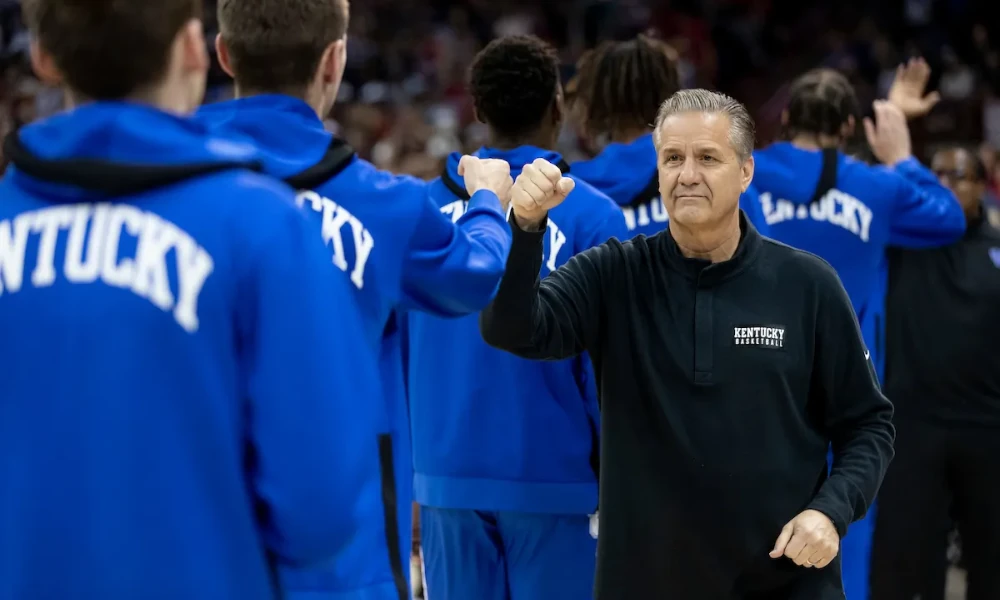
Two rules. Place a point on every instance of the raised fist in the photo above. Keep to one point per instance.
(538, 189)
(490, 174)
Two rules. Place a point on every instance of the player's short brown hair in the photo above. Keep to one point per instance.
(276, 45)
(109, 49)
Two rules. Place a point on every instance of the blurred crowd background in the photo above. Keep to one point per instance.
(404, 105)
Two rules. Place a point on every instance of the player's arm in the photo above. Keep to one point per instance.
(925, 213)
(453, 269)
(857, 415)
(312, 386)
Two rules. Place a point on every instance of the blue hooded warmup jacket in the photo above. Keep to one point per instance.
(492, 431)
(184, 405)
(401, 254)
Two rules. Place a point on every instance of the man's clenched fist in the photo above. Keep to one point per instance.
(810, 540)
(538, 189)
(486, 174)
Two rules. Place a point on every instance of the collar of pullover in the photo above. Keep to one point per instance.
(706, 273)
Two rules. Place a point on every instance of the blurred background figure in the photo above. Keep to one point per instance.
(943, 373)
(817, 198)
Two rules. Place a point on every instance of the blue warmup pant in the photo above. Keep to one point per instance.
(856, 552)
(506, 556)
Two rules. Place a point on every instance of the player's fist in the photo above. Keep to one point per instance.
(538, 189)
(809, 540)
(490, 174)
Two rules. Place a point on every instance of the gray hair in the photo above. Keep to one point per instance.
(741, 126)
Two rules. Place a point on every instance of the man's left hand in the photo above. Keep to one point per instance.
(810, 540)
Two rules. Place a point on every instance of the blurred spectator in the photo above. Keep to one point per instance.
(943, 323)
(407, 60)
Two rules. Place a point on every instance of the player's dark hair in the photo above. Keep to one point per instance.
(109, 49)
(620, 85)
(277, 45)
(820, 103)
(513, 83)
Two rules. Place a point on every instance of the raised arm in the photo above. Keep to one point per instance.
(925, 213)
(857, 416)
(552, 319)
(453, 269)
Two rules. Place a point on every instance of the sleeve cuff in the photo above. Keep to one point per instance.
(486, 199)
(521, 233)
(909, 165)
(839, 520)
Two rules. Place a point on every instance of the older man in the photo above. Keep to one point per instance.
(727, 363)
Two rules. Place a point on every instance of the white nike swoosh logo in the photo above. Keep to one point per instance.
(867, 354)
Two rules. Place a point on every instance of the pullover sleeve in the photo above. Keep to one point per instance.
(858, 417)
(551, 319)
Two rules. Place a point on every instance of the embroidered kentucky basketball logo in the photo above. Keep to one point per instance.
(767, 337)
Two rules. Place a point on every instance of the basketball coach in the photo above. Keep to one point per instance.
(727, 363)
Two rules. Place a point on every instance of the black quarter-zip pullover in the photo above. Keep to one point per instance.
(721, 385)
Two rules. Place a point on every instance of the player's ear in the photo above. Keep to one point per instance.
(333, 62)
(44, 65)
(189, 54)
(193, 53)
(222, 51)
(784, 117)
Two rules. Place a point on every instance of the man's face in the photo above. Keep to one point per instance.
(956, 169)
(701, 177)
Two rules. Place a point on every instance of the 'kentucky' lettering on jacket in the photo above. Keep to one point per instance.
(835, 207)
(557, 239)
(335, 217)
(643, 214)
(146, 274)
